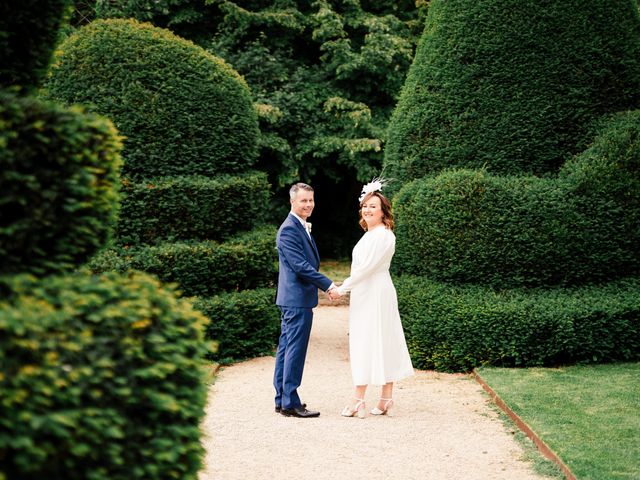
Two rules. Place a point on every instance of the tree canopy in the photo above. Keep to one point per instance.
(325, 76)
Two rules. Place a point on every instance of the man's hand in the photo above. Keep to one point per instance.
(333, 293)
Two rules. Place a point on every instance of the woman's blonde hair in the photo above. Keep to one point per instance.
(385, 204)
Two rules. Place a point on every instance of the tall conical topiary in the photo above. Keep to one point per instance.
(511, 85)
(499, 192)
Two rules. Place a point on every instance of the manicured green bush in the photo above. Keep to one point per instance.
(102, 378)
(604, 197)
(204, 268)
(458, 328)
(243, 324)
(467, 226)
(583, 227)
(58, 178)
(182, 110)
(191, 207)
(28, 34)
(512, 85)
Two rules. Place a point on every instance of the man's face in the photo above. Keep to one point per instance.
(302, 204)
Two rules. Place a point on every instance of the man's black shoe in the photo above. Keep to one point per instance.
(278, 408)
(301, 412)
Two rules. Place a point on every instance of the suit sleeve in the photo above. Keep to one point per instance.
(377, 251)
(292, 252)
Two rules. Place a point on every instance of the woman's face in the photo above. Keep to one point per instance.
(372, 212)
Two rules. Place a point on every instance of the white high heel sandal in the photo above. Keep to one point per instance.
(357, 411)
(387, 410)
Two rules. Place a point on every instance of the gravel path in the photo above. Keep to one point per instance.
(444, 428)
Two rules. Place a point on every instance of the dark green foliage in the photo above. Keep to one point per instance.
(604, 200)
(182, 110)
(28, 34)
(327, 74)
(583, 227)
(458, 328)
(202, 267)
(512, 85)
(178, 208)
(190, 19)
(243, 324)
(58, 177)
(101, 378)
(325, 77)
(469, 227)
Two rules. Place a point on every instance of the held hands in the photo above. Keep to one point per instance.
(333, 293)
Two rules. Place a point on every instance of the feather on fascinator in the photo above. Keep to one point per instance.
(375, 185)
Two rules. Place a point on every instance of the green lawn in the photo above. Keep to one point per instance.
(336, 270)
(588, 415)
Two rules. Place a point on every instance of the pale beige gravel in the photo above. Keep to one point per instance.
(444, 428)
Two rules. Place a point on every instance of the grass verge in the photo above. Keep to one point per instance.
(336, 270)
(588, 415)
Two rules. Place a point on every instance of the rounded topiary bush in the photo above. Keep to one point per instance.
(28, 33)
(453, 328)
(512, 85)
(468, 226)
(188, 207)
(58, 179)
(603, 194)
(102, 378)
(183, 111)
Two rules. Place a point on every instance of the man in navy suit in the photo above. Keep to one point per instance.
(298, 283)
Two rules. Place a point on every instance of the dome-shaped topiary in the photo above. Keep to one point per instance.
(512, 85)
(182, 110)
(102, 378)
(58, 184)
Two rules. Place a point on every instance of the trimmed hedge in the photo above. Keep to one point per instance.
(102, 378)
(28, 34)
(512, 85)
(458, 328)
(202, 268)
(182, 110)
(469, 227)
(583, 227)
(58, 178)
(243, 324)
(179, 208)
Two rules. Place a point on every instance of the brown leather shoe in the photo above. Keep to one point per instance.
(300, 412)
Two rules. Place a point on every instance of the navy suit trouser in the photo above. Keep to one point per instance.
(291, 354)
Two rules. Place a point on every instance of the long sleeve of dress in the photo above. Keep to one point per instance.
(375, 256)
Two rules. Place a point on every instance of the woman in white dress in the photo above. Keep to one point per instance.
(377, 347)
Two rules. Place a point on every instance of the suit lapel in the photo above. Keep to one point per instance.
(315, 249)
(308, 237)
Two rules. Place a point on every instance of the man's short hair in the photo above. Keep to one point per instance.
(293, 191)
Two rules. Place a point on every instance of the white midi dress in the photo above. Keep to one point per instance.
(377, 347)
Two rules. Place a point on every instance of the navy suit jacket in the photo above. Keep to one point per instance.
(298, 276)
